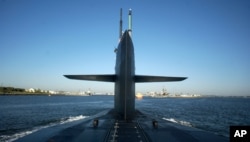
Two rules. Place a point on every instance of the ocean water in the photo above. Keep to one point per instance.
(23, 115)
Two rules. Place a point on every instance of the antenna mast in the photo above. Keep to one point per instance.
(130, 22)
(120, 30)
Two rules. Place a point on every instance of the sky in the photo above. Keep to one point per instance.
(207, 41)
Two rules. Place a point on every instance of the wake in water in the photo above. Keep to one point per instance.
(24, 115)
(13, 137)
(185, 123)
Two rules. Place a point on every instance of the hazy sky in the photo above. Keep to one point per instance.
(207, 41)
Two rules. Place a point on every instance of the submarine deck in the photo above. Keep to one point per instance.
(108, 127)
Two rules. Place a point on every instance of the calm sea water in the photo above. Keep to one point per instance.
(22, 115)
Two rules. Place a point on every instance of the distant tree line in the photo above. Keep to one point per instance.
(16, 91)
(7, 90)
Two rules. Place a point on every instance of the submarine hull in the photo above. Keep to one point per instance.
(111, 128)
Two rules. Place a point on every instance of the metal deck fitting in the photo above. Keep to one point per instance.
(123, 131)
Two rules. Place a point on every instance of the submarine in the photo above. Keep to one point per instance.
(123, 123)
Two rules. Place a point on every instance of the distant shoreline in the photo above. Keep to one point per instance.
(4, 91)
(19, 94)
(47, 94)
